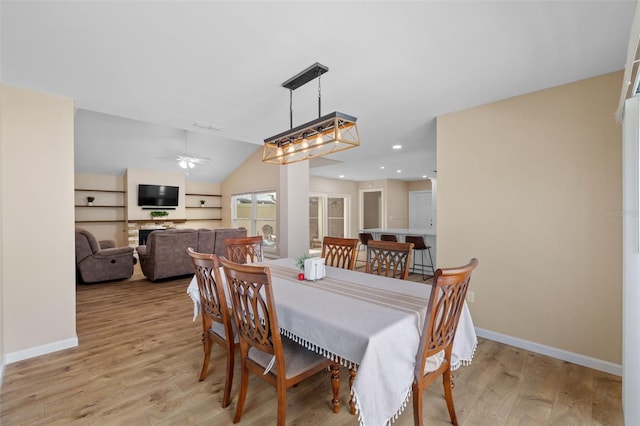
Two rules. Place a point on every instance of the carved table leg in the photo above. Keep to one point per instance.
(335, 386)
(352, 376)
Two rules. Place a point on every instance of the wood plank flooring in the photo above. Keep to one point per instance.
(140, 355)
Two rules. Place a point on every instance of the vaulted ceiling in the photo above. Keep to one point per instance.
(395, 65)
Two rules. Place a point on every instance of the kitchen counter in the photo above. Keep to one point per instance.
(428, 235)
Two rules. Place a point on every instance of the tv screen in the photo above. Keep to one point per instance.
(157, 195)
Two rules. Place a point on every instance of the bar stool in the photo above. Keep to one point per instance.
(364, 240)
(388, 237)
(418, 244)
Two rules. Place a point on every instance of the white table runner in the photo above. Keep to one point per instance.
(374, 322)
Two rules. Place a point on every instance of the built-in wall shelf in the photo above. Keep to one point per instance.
(157, 221)
(96, 206)
(99, 221)
(100, 190)
(212, 210)
(108, 205)
(200, 207)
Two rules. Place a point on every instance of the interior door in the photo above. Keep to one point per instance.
(420, 211)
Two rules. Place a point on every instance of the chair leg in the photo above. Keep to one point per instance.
(206, 342)
(352, 377)
(417, 405)
(335, 387)
(448, 395)
(244, 383)
(282, 404)
(226, 399)
(433, 267)
(361, 247)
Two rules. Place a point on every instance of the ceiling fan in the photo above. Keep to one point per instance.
(187, 161)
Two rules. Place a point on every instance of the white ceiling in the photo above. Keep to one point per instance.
(394, 65)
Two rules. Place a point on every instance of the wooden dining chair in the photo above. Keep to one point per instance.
(340, 252)
(388, 258)
(264, 352)
(433, 359)
(245, 249)
(217, 323)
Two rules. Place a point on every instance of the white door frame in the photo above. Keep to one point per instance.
(382, 208)
(631, 261)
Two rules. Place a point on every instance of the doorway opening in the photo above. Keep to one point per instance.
(372, 209)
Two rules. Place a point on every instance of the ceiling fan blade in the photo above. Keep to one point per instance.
(201, 160)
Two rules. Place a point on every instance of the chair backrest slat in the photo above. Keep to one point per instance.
(340, 252)
(245, 250)
(391, 259)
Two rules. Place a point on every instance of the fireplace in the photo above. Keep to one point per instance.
(143, 234)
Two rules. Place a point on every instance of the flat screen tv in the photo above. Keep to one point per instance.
(157, 195)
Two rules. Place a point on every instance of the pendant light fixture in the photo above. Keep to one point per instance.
(330, 133)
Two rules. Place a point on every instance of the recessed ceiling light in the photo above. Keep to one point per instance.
(208, 126)
(397, 147)
(341, 176)
(398, 171)
(381, 167)
(424, 176)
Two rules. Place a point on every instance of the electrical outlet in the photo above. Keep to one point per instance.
(471, 297)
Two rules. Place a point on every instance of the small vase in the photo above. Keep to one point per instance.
(90, 203)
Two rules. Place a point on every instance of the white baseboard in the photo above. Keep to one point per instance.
(1, 370)
(40, 350)
(585, 361)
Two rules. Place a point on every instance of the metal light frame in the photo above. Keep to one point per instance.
(325, 135)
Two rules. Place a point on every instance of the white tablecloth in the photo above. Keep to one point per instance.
(374, 322)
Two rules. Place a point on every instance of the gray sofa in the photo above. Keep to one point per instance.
(165, 254)
(98, 261)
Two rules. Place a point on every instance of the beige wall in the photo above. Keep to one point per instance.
(397, 201)
(531, 186)
(339, 187)
(37, 272)
(419, 185)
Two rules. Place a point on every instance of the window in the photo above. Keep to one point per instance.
(327, 217)
(257, 212)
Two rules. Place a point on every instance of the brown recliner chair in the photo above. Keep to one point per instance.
(165, 254)
(101, 261)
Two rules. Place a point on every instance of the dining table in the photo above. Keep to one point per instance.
(369, 322)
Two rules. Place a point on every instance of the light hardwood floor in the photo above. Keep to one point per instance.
(140, 355)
